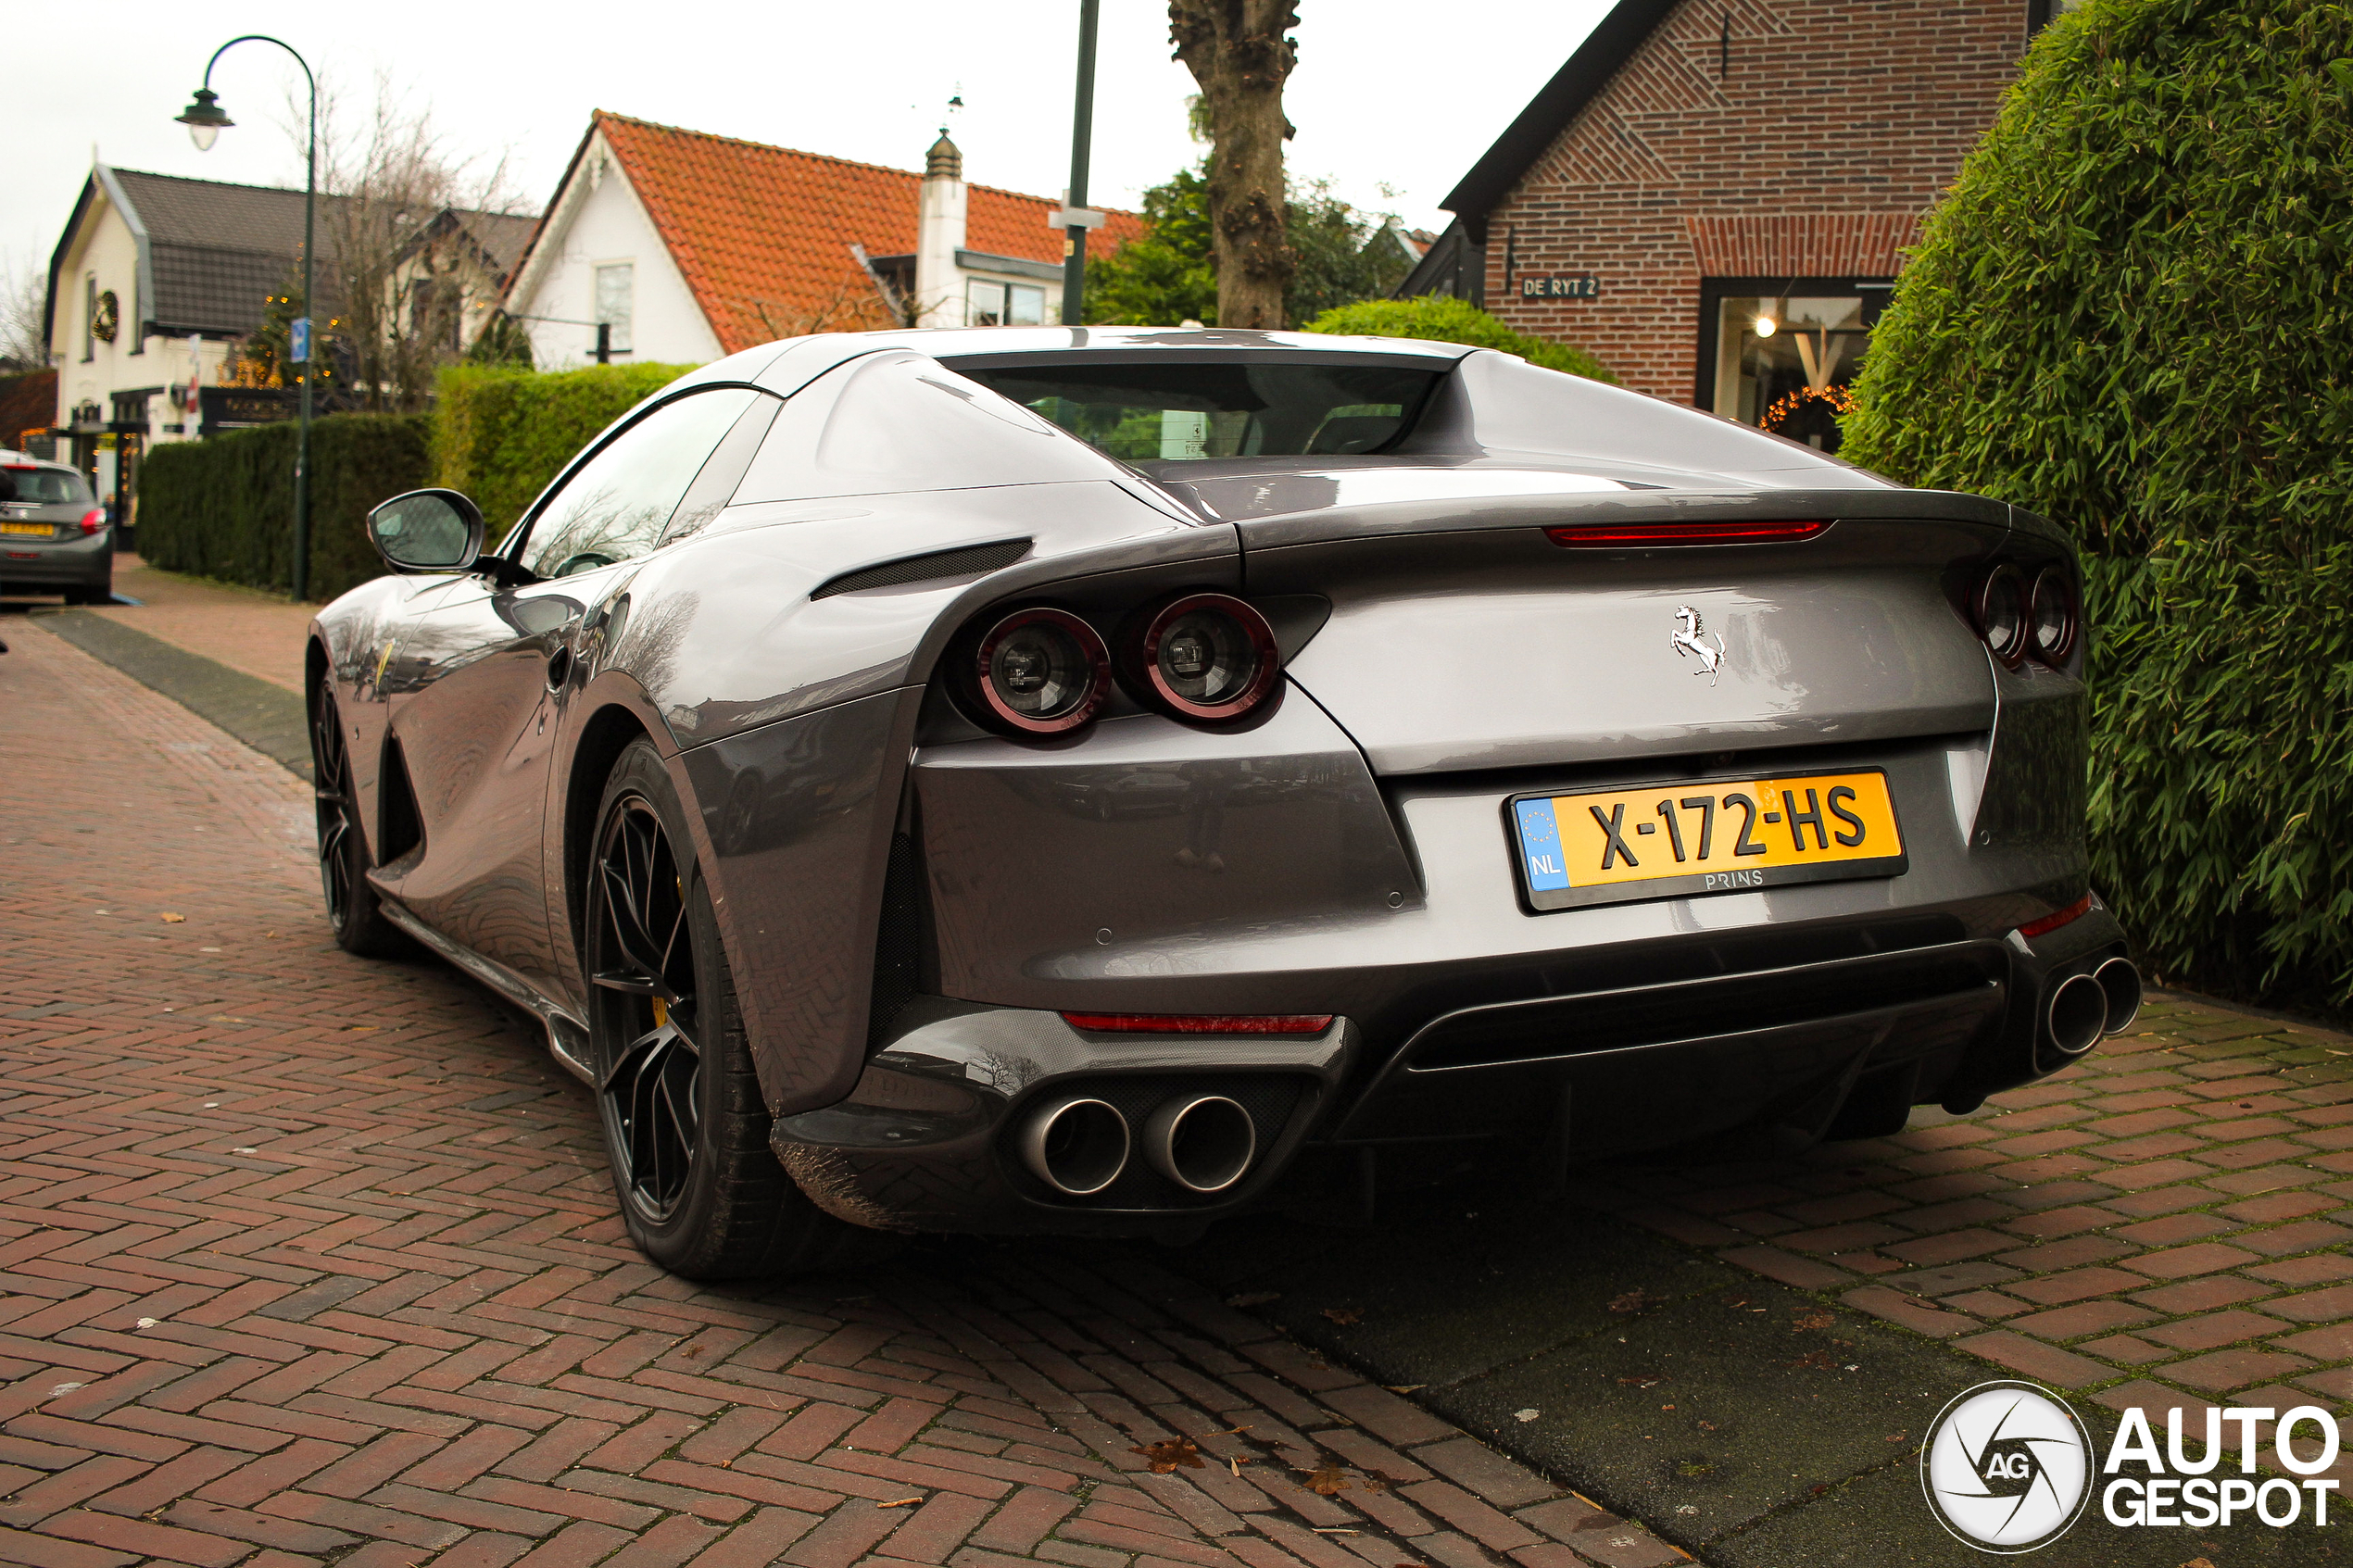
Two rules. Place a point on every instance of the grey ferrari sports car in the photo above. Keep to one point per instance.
(1097, 780)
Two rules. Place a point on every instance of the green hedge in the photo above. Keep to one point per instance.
(223, 507)
(1445, 319)
(500, 434)
(2132, 314)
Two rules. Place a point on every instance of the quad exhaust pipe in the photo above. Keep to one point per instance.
(1079, 1145)
(2085, 1007)
(1203, 1143)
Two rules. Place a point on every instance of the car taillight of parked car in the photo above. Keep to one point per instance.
(2017, 618)
(1204, 657)
(93, 520)
(1043, 672)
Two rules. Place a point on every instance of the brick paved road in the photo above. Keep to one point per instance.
(304, 1258)
(2165, 1224)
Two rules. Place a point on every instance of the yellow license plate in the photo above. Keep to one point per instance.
(43, 529)
(1712, 836)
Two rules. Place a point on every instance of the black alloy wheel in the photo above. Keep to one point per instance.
(685, 1126)
(353, 911)
(643, 952)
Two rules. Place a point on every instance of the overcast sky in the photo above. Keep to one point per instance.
(1385, 94)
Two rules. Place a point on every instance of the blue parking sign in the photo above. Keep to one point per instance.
(301, 340)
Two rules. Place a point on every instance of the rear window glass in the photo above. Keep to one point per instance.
(42, 487)
(1178, 412)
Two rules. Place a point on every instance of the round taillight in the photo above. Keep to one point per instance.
(1209, 657)
(1043, 672)
(2055, 615)
(2001, 613)
(93, 520)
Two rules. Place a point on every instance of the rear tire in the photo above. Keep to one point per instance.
(685, 1127)
(354, 912)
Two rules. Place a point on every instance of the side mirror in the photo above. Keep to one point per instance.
(427, 531)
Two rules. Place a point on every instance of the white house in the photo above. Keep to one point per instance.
(687, 247)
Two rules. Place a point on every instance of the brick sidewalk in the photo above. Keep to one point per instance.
(2163, 1224)
(305, 1259)
(259, 634)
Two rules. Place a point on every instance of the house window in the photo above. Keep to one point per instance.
(991, 303)
(1779, 353)
(616, 284)
(2039, 14)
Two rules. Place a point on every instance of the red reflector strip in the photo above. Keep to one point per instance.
(1199, 1023)
(1620, 537)
(2076, 910)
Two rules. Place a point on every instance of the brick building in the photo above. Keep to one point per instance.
(1713, 196)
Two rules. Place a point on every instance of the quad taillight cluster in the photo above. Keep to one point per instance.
(2017, 616)
(1204, 657)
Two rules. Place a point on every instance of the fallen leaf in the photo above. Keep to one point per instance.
(1333, 1530)
(175, 920)
(1895, 1437)
(1532, 1414)
(2198, 1562)
(1708, 1426)
(64, 1388)
(1811, 1320)
(1254, 1299)
(1815, 1361)
(1645, 1381)
(901, 1502)
(1166, 1457)
(693, 1350)
(1326, 1481)
(1636, 1301)
(1666, 1407)
(1344, 1316)
(147, 1323)
(1405, 1388)
(1234, 1464)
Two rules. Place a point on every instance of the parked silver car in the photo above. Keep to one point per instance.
(1087, 780)
(54, 537)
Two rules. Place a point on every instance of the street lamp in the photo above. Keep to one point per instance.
(205, 120)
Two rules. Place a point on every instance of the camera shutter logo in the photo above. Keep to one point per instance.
(2007, 1467)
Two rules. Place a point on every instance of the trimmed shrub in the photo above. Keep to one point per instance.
(2131, 315)
(223, 507)
(1445, 319)
(502, 433)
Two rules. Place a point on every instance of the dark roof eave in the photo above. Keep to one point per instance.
(1561, 100)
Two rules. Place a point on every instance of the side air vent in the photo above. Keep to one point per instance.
(401, 829)
(969, 561)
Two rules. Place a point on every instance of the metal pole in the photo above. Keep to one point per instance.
(301, 574)
(302, 432)
(1081, 134)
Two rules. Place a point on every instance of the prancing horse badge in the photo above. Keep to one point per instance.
(1689, 641)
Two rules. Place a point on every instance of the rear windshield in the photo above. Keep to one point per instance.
(1176, 412)
(48, 487)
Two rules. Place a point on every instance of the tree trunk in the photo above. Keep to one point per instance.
(1237, 51)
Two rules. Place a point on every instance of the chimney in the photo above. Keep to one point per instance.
(939, 234)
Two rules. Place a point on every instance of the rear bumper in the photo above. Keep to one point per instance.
(73, 563)
(930, 1138)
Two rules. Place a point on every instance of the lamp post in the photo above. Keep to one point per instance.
(206, 120)
(1075, 217)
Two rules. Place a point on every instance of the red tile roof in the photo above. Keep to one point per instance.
(763, 233)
